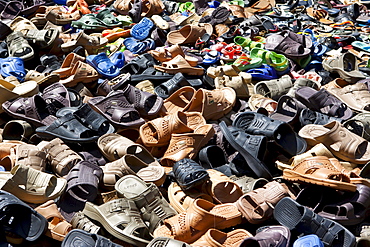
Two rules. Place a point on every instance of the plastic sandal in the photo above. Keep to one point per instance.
(214, 236)
(303, 219)
(42, 38)
(158, 131)
(179, 100)
(167, 242)
(32, 156)
(124, 187)
(289, 142)
(89, 21)
(80, 221)
(179, 64)
(90, 43)
(106, 17)
(312, 240)
(189, 174)
(243, 62)
(273, 88)
(211, 57)
(166, 54)
(31, 185)
(211, 215)
(257, 101)
(121, 218)
(17, 130)
(58, 227)
(77, 237)
(19, 47)
(103, 65)
(13, 208)
(277, 236)
(265, 72)
(13, 66)
(115, 33)
(142, 29)
(134, 46)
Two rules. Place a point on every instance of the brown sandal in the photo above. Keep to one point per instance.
(30, 155)
(179, 100)
(81, 72)
(319, 170)
(179, 64)
(214, 104)
(257, 206)
(200, 216)
(158, 131)
(58, 227)
(59, 156)
(69, 62)
(166, 54)
(216, 238)
(181, 200)
(187, 145)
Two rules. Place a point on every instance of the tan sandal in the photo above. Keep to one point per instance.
(58, 227)
(123, 6)
(166, 54)
(238, 83)
(187, 145)
(114, 146)
(158, 131)
(81, 72)
(80, 221)
(319, 170)
(69, 62)
(59, 156)
(89, 42)
(214, 104)
(31, 155)
(200, 216)
(181, 200)
(179, 100)
(31, 185)
(216, 238)
(221, 187)
(41, 78)
(179, 64)
(257, 100)
(189, 33)
(257, 206)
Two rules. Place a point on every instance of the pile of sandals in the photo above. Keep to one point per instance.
(204, 123)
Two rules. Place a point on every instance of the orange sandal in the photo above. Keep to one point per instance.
(115, 33)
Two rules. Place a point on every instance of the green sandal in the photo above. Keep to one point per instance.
(247, 43)
(244, 62)
(89, 21)
(108, 19)
(188, 6)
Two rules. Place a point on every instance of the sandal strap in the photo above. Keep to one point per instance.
(80, 221)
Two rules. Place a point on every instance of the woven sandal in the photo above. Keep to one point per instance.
(58, 227)
(153, 212)
(181, 200)
(80, 221)
(59, 156)
(158, 131)
(257, 206)
(31, 185)
(121, 218)
(197, 219)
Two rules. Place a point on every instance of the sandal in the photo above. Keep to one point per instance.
(82, 180)
(213, 104)
(32, 156)
(154, 212)
(121, 218)
(167, 242)
(273, 88)
(31, 185)
(58, 227)
(19, 47)
(211, 215)
(257, 101)
(287, 141)
(90, 43)
(247, 184)
(324, 102)
(179, 64)
(80, 221)
(181, 200)
(359, 125)
(59, 156)
(166, 54)
(103, 65)
(107, 18)
(214, 237)
(14, 211)
(42, 38)
(77, 236)
(33, 110)
(179, 100)
(295, 216)
(257, 206)
(81, 72)
(189, 174)
(18, 130)
(340, 141)
(89, 22)
(158, 131)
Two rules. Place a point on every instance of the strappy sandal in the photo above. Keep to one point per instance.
(81, 72)
(257, 206)
(42, 38)
(121, 218)
(189, 174)
(32, 156)
(211, 215)
(59, 156)
(117, 110)
(179, 64)
(58, 227)
(19, 47)
(80, 221)
(134, 189)
(31, 185)
(179, 100)
(158, 131)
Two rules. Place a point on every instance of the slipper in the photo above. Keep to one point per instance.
(257, 101)
(89, 22)
(118, 59)
(142, 29)
(19, 47)
(103, 65)
(352, 148)
(284, 136)
(179, 64)
(13, 66)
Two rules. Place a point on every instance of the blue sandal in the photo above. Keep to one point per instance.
(13, 66)
(103, 65)
(265, 72)
(142, 30)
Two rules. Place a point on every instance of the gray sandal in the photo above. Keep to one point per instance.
(19, 47)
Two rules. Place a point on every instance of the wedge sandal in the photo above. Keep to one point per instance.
(134, 189)
(201, 216)
(121, 218)
(301, 219)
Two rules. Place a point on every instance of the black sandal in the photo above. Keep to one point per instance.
(189, 174)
